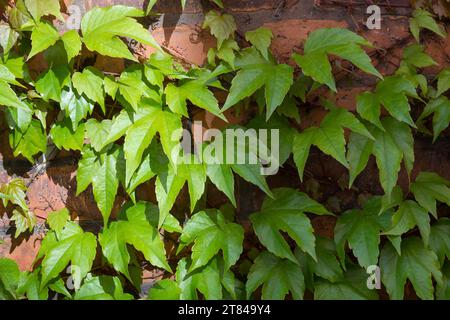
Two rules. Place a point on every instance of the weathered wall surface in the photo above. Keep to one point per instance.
(181, 34)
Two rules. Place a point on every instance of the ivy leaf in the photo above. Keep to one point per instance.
(351, 287)
(102, 27)
(329, 137)
(221, 26)
(256, 72)
(327, 265)
(414, 55)
(392, 93)
(30, 143)
(9, 98)
(261, 39)
(286, 213)
(170, 183)
(277, 276)
(422, 19)
(141, 133)
(361, 230)
(417, 263)
(340, 42)
(58, 219)
(197, 93)
(23, 220)
(165, 289)
(42, 8)
(409, 215)
(443, 289)
(50, 83)
(90, 83)
(14, 191)
(441, 119)
(102, 288)
(43, 36)
(222, 177)
(429, 188)
(72, 245)
(9, 278)
(227, 51)
(103, 172)
(440, 239)
(64, 137)
(76, 107)
(210, 233)
(8, 37)
(133, 228)
(390, 147)
(72, 43)
(443, 81)
(207, 280)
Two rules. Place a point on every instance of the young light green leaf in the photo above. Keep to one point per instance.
(422, 19)
(221, 26)
(261, 39)
(103, 27)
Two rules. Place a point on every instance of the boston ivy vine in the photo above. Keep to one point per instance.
(127, 130)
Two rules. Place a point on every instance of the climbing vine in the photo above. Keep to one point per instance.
(126, 130)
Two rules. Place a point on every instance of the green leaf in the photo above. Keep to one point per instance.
(76, 107)
(429, 188)
(221, 26)
(340, 42)
(58, 219)
(42, 8)
(286, 213)
(254, 73)
(72, 43)
(9, 278)
(443, 289)
(102, 27)
(422, 19)
(260, 39)
(9, 98)
(64, 137)
(441, 119)
(104, 172)
(102, 288)
(443, 81)
(417, 263)
(90, 83)
(329, 137)
(30, 143)
(197, 93)
(73, 245)
(23, 220)
(169, 184)
(409, 215)
(165, 289)
(8, 37)
(393, 94)
(277, 277)
(361, 230)
(50, 83)
(141, 133)
(43, 36)
(327, 265)
(206, 280)
(351, 287)
(414, 55)
(222, 177)
(440, 239)
(390, 147)
(210, 233)
(133, 228)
